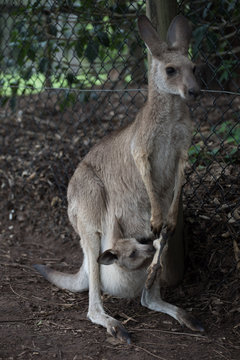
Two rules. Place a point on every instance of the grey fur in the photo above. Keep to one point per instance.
(130, 183)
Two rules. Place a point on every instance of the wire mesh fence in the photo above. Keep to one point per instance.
(72, 71)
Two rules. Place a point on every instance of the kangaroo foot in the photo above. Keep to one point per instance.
(116, 329)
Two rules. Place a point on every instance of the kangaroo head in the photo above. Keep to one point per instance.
(172, 72)
(128, 253)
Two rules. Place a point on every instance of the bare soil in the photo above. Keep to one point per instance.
(40, 147)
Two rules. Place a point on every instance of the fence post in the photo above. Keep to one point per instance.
(161, 12)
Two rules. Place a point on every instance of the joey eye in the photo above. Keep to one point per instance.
(170, 70)
(133, 254)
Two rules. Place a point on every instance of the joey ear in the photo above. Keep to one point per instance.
(179, 33)
(108, 257)
(149, 35)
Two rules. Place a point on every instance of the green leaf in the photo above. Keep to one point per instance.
(43, 65)
(206, 10)
(194, 150)
(27, 73)
(32, 53)
(79, 47)
(14, 35)
(214, 151)
(71, 78)
(103, 38)
(199, 35)
(52, 29)
(223, 128)
(22, 55)
(70, 98)
(91, 51)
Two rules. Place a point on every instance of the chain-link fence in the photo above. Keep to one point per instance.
(72, 71)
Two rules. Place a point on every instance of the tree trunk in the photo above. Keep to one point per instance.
(174, 258)
(161, 13)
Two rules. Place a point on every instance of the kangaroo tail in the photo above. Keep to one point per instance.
(73, 282)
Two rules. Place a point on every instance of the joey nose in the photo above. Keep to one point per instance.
(193, 92)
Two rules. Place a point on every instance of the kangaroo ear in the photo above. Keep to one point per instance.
(108, 257)
(179, 33)
(149, 35)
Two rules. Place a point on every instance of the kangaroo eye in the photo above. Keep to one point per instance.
(170, 70)
(133, 254)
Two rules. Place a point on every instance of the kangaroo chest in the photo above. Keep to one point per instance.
(170, 141)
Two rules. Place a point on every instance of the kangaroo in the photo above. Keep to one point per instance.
(129, 185)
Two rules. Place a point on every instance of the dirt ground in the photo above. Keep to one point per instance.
(40, 147)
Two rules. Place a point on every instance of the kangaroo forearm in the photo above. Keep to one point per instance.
(144, 167)
(179, 179)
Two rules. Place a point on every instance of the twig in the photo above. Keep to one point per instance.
(128, 318)
(62, 327)
(16, 265)
(236, 249)
(232, 51)
(21, 296)
(16, 320)
(148, 352)
(55, 304)
(220, 354)
(172, 332)
(236, 253)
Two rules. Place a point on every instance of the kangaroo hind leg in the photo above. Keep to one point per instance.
(90, 215)
(152, 300)
(91, 244)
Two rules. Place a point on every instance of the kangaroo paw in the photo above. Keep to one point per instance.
(156, 223)
(156, 229)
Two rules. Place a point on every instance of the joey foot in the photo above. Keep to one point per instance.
(116, 329)
(159, 245)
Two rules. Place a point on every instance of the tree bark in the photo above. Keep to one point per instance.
(161, 13)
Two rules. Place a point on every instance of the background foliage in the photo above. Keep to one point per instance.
(84, 44)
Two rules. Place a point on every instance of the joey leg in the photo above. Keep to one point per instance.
(159, 244)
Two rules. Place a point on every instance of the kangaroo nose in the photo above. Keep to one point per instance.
(193, 92)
